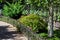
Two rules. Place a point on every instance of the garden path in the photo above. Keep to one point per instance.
(8, 32)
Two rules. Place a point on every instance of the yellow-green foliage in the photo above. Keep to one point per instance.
(33, 21)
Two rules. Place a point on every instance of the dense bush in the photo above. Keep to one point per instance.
(34, 22)
(12, 10)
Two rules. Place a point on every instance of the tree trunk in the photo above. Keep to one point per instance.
(50, 21)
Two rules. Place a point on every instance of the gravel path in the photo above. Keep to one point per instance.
(8, 32)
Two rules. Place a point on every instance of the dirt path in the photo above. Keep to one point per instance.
(8, 32)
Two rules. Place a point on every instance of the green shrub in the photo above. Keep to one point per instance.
(43, 35)
(34, 22)
(12, 10)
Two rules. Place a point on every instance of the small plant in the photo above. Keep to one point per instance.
(33, 21)
(43, 35)
(13, 10)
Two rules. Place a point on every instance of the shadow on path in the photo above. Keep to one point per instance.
(5, 34)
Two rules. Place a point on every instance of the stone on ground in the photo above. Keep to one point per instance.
(9, 32)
